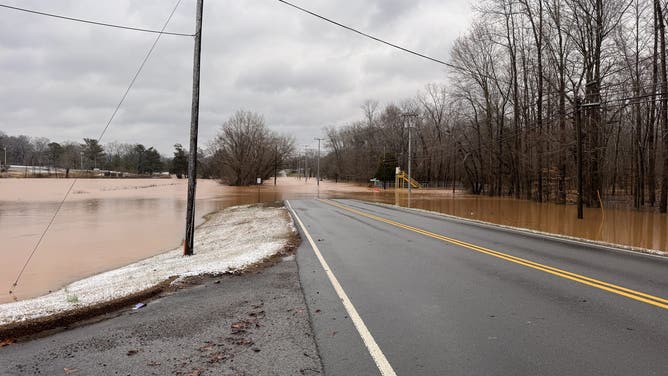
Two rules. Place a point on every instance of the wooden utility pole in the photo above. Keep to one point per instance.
(410, 160)
(663, 115)
(194, 123)
(578, 127)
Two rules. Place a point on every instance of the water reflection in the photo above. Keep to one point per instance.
(627, 227)
(110, 223)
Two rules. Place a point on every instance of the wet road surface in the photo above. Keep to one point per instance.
(250, 324)
(441, 296)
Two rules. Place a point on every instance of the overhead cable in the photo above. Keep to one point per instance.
(369, 36)
(125, 94)
(94, 22)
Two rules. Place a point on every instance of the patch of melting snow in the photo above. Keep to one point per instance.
(230, 240)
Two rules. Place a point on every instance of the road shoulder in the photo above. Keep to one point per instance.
(255, 323)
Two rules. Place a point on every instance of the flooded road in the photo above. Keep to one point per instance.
(107, 223)
(625, 227)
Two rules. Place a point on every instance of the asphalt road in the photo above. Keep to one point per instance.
(441, 296)
(250, 324)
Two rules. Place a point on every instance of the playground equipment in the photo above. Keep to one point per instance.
(401, 178)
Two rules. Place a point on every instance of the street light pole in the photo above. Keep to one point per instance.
(319, 139)
(305, 165)
(410, 157)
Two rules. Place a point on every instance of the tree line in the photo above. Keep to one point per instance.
(244, 149)
(89, 155)
(523, 79)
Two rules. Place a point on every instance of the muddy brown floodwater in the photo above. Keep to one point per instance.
(107, 223)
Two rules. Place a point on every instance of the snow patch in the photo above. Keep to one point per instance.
(230, 240)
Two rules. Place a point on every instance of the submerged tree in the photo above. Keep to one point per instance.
(245, 149)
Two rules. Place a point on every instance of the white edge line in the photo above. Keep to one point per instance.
(378, 357)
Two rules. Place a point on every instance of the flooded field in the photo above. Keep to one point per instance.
(107, 223)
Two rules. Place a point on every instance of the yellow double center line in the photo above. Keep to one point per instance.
(615, 289)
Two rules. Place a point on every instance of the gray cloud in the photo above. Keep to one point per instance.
(62, 80)
(314, 77)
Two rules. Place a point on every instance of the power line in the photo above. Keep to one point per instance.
(369, 36)
(450, 65)
(93, 22)
(141, 66)
(60, 205)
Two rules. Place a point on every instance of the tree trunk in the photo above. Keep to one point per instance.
(663, 203)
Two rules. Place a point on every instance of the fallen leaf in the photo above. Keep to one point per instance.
(217, 357)
(132, 352)
(208, 346)
(70, 370)
(195, 372)
(240, 325)
(239, 341)
(7, 342)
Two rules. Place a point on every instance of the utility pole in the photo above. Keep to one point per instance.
(578, 126)
(4, 147)
(194, 123)
(305, 165)
(580, 155)
(275, 163)
(319, 139)
(410, 159)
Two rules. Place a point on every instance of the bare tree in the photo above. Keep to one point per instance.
(246, 149)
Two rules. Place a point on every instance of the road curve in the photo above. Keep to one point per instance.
(441, 296)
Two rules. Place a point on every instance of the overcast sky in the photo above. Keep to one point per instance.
(62, 80)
